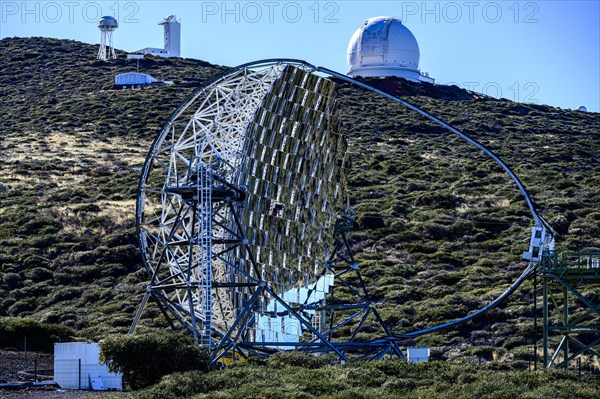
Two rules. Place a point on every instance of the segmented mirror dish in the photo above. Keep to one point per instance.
(273, 131)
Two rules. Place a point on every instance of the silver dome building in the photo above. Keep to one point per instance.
(383, 46)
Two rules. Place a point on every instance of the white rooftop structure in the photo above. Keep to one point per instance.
(383, 46)
(134, 78)
(172, 39)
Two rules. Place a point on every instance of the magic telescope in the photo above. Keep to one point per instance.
(241, 224)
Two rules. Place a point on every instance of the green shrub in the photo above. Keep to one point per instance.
(39, 274)
(297, 359)
(523, 353)
(40, 226)
(144, 359)
(40, 336)
(22, 305)
(484, 352)
(11, 280)
(368, 222)
(178, 385)
(86, 208)
(35, 261)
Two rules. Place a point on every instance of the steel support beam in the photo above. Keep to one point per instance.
(564, 281)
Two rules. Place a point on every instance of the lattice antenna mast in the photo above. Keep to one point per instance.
(107, 26)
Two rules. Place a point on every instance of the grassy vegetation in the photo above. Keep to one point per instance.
(40, 336)
(440, 228)
(144, 359)
(278, 378)
(70, 148)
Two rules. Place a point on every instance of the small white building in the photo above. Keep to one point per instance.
(417, 355)
(77, 366)
(133, 80)
(172, 39)
(383, 46)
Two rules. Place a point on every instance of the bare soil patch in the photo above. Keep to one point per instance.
(12, 362)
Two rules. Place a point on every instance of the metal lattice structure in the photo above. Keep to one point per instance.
(184, 226)
(241, 219)
(571, 306)
(237, 215)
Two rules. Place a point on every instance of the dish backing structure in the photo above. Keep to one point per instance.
(242, 222)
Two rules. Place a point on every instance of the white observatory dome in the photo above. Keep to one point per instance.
(383, 46)
(108, 22)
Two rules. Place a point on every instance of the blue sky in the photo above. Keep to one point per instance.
(531, 51)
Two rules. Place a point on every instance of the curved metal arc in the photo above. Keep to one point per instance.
(538, 220)
(526, 273)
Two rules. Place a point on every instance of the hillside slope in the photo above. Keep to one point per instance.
(440, 228)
